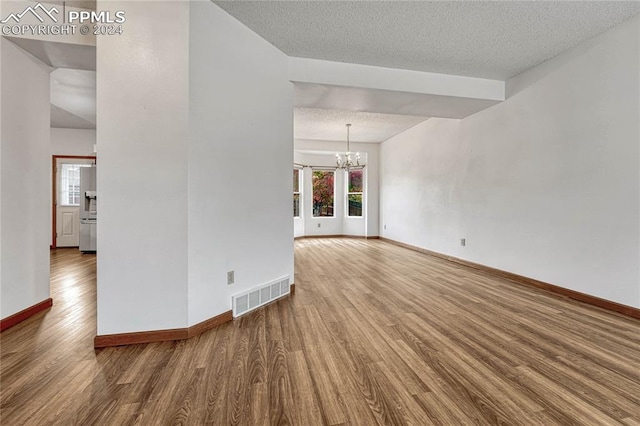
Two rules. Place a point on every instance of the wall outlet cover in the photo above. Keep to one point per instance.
(230, 277)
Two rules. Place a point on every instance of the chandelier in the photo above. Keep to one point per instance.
(346, 160)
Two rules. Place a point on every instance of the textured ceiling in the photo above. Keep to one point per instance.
(329, 125)
(472, 38)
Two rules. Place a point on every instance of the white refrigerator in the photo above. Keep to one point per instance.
(88, 209)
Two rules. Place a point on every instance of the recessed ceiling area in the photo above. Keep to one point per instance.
(329, 125)
(311, 95)
(488, 39)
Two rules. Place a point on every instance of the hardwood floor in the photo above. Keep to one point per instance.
(375, 334)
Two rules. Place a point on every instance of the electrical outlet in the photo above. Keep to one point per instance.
(318, 225)
(230, 277)
(385, 227)
(463, 242)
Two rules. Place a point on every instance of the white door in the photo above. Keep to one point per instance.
(68, 201)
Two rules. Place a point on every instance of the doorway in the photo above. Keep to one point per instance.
(65, 210)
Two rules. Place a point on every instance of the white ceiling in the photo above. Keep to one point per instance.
(73, 98)
(326, 96)
(474, 38)
(329, 125)
(63, 119)
(486, 39)
(59, 55)
(73, 80)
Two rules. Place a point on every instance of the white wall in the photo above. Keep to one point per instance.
(240, 156)
(1, 203)
(142, 130)
(199, 183)
(322, 153)
(24, 178)
(423, 171)
(72, 141)
(545, 185)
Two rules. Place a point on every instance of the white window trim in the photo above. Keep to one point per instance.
(64, 199)
(299, 192)
(324, 169)
(347, 193)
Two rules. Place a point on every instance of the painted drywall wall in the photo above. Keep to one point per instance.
(240, 159)
(422, 171)
(72, 141)
(24, 178)
(1, 202)
(205, 166)
(321, 153)
(142, 99)
(545, 185)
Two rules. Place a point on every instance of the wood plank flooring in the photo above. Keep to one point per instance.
(375, 334)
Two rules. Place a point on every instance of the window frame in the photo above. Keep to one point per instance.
(298, 193)
(348, 193)
(67, 195)
(333, 198)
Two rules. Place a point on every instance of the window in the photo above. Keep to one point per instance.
(70, 184)
(323, 193)
(354, 193)
(296, 192)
